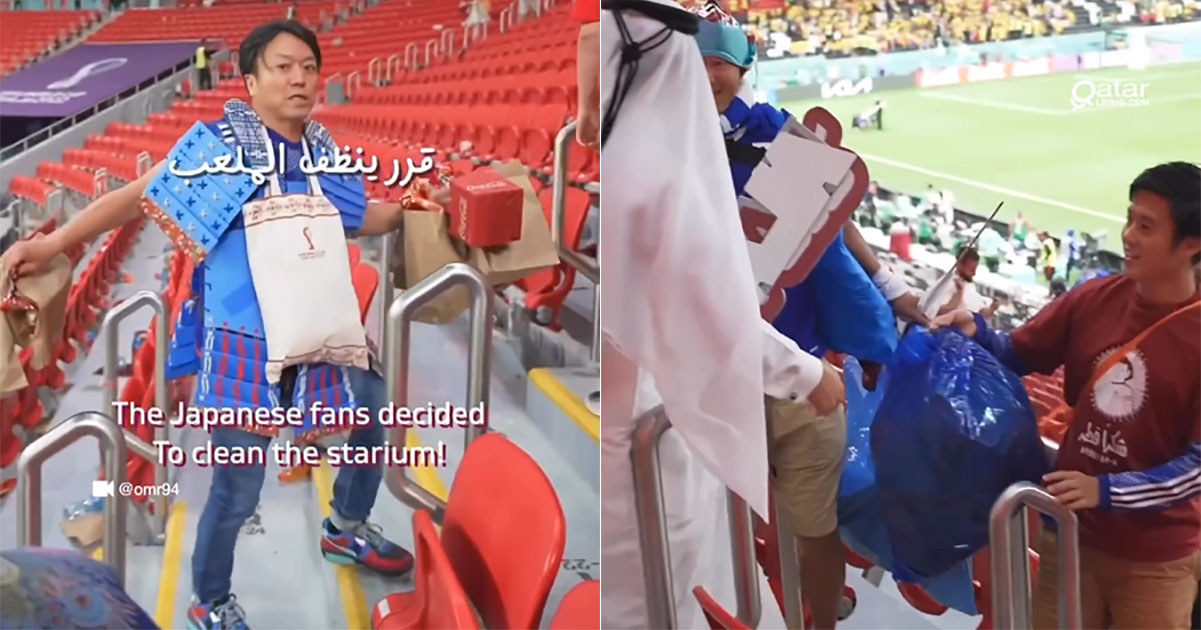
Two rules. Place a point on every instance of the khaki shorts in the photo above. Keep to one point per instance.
(806, 455)
(1116, 592)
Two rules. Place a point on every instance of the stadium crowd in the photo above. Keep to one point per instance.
(857, 27)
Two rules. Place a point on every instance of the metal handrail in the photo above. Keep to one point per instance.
(447, 43)
(144, 163)
(649, 429)
(373, 70)
(108, 329)
(1050, 450)
(431, 51)
(652, 524)
(1011, 564)
(411, 56)
(594, 351)
(354, 81)
(387, 244)
(558, 226)
(504, 17)
(742, 550)
(388, 66)
(29, 482)
(790, 571)
(396, 364)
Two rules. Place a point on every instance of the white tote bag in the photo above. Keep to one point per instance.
(299, 263)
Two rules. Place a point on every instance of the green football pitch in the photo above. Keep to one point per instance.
(1020, 141)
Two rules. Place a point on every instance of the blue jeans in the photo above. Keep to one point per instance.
(234, 494)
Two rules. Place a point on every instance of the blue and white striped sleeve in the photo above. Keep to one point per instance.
(1158, 488)
(1000, 344)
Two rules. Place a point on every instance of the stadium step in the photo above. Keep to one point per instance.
(557, 401)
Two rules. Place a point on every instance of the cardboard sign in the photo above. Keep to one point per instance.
(798, 199)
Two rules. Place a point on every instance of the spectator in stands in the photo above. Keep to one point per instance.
(478, 12)
(965, 295)
(1130, 466)
(807, 440)
(1048, 256)
(204, 72)
(280, 63)
(1058, 288)
(1019, 229)
(932, 199)
(675, 191)
(587, 131)
(993, 248)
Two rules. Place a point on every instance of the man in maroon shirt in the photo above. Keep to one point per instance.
(1130, 463)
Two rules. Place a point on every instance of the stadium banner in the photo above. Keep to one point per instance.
(939, 77)
(1065, 63)
(1108, 59)
(85, 75)
(987, 72)
(841, 88)
(846, 87)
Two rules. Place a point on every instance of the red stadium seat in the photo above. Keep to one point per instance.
(366, 281)
(437, 601)
(507, 558)
(718, 617)
(580, 608)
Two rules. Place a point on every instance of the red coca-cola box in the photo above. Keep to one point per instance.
(485, 209)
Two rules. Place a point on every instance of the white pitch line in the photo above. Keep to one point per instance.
(991, 188)
(997, 104)
(1151, 102)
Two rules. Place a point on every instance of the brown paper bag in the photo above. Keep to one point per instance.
(40, 329)
(425, 246)
(534, 252)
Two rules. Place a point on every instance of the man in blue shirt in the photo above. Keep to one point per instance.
(806, 450)
(280, 63)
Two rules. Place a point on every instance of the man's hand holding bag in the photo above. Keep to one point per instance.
(495, 223)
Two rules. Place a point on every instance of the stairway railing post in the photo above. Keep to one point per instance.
(396, 364)
(108, 329)
(652, 518)
(29, 482)
(1010, 561)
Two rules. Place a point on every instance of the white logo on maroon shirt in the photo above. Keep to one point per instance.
(1121, 392)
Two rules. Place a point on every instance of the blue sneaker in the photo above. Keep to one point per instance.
(217, 615)
(366, 546)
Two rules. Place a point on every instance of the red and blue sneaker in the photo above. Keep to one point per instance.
(220, 614)
(366, 546)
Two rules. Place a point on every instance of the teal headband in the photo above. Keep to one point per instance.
(726, 42)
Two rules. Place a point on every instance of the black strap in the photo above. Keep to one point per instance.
(676, 19)
(744, 153)
(673, 20)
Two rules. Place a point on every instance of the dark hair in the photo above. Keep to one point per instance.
(1178, 183)
(1058, 287)
(256, 42)
(969, 254)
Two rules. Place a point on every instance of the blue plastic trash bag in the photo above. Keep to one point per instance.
(954, 429)
(852, 316)
(858, 472)
(860, 524)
